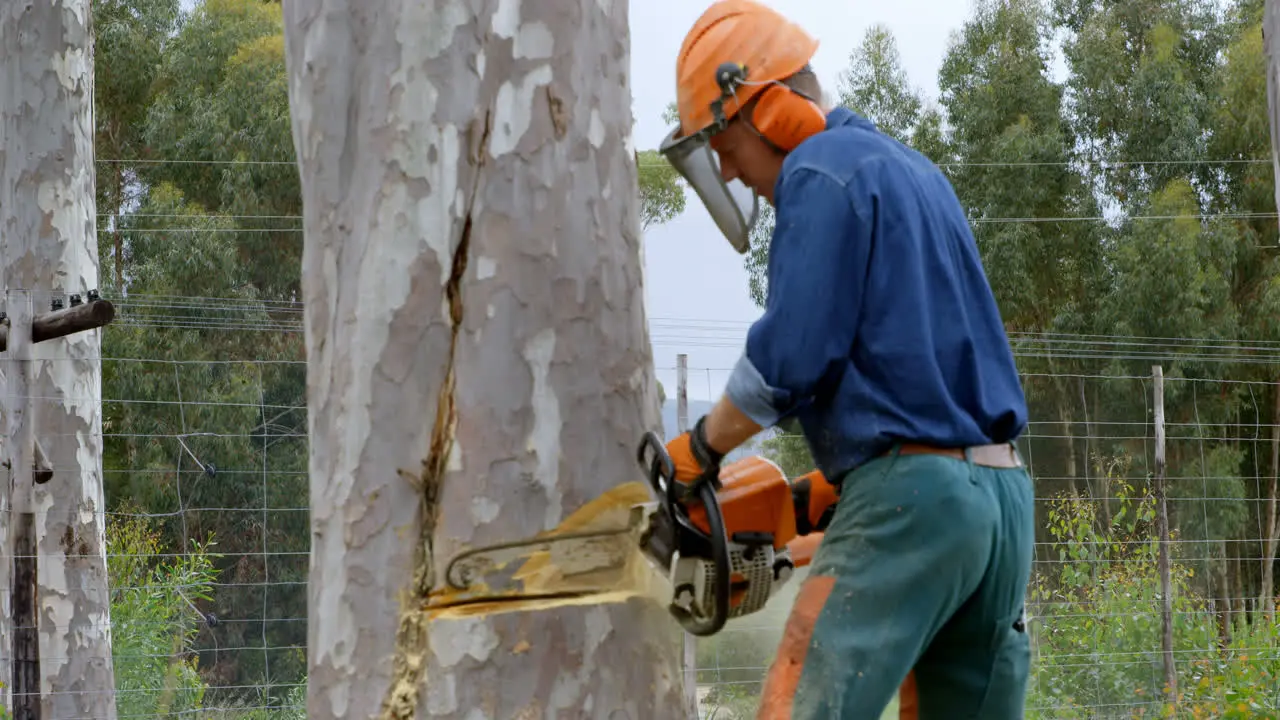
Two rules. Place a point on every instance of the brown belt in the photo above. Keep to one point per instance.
(1003, 455)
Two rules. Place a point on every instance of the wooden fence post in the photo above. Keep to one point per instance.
(690, 655)
(29, 464)
(1162, 527)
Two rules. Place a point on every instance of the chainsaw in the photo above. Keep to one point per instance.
(725, 546)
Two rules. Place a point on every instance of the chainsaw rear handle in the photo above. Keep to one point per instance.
(661, 470)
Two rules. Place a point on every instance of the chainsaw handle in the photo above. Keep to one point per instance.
(661, 470)
(719, 538)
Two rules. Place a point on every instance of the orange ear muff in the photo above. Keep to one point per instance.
(786, 118)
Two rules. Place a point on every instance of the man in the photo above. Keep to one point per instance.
(881, 336)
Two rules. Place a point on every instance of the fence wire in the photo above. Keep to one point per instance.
(204, 459)
(206, 520)
(205, 472)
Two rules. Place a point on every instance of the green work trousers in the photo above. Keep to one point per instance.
(923, 567)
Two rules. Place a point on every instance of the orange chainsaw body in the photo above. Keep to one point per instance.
(757, 498)
(762, 506)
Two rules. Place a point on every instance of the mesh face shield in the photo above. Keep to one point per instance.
(733, 205)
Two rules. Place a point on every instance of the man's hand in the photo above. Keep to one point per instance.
(697, 454)
(694, 459)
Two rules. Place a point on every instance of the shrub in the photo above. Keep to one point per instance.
(1096, 625)
(154, 618)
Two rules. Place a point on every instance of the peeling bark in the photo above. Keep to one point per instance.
(49, 230)
(478, 357)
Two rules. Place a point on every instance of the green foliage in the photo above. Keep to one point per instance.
(155, 617)
(876, 86)
(221, 99)
(132, 34)
(157, 600)
(661, 189)
(1237, 683)
(662, 197)
(292, 706)
(1176, 265)
(789, 449)
(205, 371)
(1097, 624)
(1142, 83)
(1007, 130)
(671, 114)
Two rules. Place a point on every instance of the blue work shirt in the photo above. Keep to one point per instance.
(880, 325)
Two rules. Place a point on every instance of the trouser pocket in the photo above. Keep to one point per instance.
(1006, 695)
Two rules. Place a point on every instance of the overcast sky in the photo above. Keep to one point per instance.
(696, 284)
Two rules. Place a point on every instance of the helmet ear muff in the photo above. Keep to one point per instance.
(787, 118)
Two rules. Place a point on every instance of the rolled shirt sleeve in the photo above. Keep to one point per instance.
(818, 261)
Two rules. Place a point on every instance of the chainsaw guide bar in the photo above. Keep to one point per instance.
(609, 549)
(571, 553)
(556, 566)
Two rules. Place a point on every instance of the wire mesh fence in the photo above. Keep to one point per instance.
(210, 450)
(205, 526)
(205, 472)
(1095, 603)
(1160, 220)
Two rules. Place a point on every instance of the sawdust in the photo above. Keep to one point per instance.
(604, 571)
(605, 510)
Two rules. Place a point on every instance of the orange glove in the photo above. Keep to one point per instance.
(695, 461)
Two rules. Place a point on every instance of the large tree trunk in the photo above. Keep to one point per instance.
(50, 248)
(478, 358)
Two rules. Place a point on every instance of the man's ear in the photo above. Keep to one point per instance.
(748, 118)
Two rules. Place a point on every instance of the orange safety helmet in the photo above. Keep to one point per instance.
(764, 46)
(738, 50)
